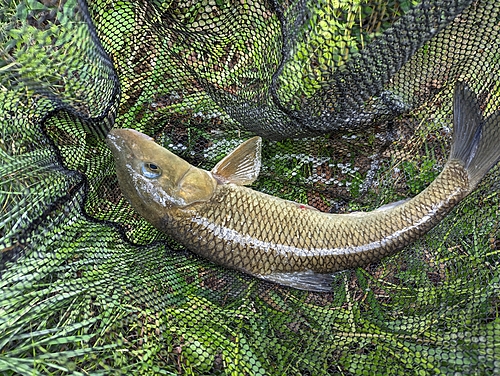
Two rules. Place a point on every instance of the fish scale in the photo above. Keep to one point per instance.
(308, 239)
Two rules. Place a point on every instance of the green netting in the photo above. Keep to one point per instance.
(353, 100)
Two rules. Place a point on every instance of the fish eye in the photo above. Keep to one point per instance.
(151, 170)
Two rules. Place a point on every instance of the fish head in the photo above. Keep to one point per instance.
(152, 178)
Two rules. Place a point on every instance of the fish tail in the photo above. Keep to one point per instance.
(476, 141)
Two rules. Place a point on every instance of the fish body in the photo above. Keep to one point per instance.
(215, 215)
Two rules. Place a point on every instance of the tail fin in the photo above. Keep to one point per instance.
(476, 141)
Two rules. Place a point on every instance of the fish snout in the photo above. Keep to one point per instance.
(125, 140)
(115, 142)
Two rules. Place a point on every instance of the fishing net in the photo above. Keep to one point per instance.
(353, 99)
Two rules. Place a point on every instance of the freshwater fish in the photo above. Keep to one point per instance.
(213, 213)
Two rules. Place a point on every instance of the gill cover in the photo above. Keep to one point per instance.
(240, 167)
(196, 185)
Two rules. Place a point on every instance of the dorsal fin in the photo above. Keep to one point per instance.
(302, 206)
(392, 205)
(242, 165)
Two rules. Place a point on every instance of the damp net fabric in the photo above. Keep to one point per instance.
(354, 102)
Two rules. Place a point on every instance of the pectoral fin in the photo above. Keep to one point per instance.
(242, 165)
(307, 280)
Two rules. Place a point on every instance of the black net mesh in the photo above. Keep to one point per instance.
(353, 99)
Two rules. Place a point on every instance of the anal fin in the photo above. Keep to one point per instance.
(306, 280)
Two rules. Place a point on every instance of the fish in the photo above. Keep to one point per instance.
(217, 216)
